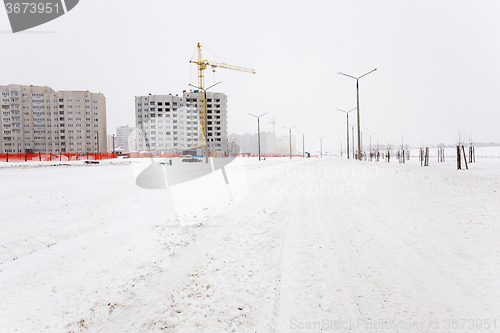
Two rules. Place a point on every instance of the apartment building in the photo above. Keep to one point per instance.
(283, 144)
(40, 119)
(249, 143)
(122, 138)
(171, 123)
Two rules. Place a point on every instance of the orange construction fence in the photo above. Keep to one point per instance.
(151, 154)
(24, 157)
(267, 155)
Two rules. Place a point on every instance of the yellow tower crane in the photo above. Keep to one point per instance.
(202, 65)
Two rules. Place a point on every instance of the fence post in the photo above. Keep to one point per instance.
(465, 158)
(458, 159)
(7, 157)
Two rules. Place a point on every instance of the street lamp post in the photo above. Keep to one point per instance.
(347, 113)
(352, 133)
(290, 131)
(303, 149)
(205, 120)
(258, 128)
(361, 137)
(357, 99)
(321, 145)
(378, 149)
(370, 135)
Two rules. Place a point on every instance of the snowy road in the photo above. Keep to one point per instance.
(323, 244)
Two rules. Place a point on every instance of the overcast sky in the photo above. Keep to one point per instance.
(438, 62)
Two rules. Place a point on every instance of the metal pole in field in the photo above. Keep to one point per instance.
(258, 128)
(347, 114)
(403, 148)
(290, 132)
(321, 145)
(303, 149)
(378, 149)
(352, 132)
(357, 99)
(361, 137)
(370, 135)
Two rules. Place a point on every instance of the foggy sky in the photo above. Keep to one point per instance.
(438, 62)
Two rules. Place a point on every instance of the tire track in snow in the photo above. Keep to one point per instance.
(364, 292)
(278, 286)
(311, 287)
(369, 305)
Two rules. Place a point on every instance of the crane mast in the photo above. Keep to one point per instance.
(202, 65)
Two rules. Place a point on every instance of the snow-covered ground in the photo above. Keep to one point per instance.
(487, 160)
(290, 245)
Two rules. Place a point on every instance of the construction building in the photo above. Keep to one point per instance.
(40, 119)
(171, 123)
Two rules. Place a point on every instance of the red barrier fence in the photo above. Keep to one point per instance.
(24, 157)
(149, 155)
(267, 155)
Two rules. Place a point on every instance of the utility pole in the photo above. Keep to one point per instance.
(352, 132)
(290, 132)
(370, 135)
(303, 149)
(357, 99)
(402, 148)
(321, 145)
(347, 113)
(362, 137)
(258, 128)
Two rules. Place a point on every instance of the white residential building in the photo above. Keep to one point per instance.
(283, 144)
(171, 123)
(40, 119)
(249, 143)
(122, 138)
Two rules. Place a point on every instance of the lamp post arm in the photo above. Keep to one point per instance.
(367, 73)
(355, 78)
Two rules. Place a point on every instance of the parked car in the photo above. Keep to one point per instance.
(189, 158)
